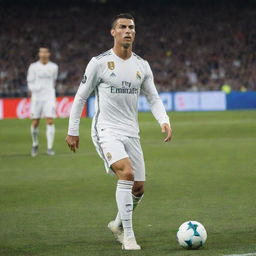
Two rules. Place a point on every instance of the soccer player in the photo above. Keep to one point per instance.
(118, 76)
(41, 79)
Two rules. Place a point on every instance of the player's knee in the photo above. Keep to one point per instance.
(138, 190)
(35, 123)
(127, 174)
(49, 121)
(123, 170)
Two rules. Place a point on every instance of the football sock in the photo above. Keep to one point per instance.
(125, 205)
(117, 221)
(34, 134)
(50, 131)
(136, 201)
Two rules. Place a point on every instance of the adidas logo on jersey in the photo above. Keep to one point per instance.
(113, 74)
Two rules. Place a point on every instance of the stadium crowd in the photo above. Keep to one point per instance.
(188, 48)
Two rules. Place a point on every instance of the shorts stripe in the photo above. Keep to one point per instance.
(95, 126)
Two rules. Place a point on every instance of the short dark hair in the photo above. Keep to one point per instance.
(46, 46)
(121, 16)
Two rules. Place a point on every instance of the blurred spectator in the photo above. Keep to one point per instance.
(188, 48)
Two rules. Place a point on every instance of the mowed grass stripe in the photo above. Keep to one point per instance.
(58, 206)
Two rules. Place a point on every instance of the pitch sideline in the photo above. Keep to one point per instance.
(245, 254)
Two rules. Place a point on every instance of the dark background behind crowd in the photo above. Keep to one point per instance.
(190, 45)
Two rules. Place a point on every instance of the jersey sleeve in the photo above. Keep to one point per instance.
(31, 79)
(89, 82)
(55, 75)
(56, 72)
(148, 89)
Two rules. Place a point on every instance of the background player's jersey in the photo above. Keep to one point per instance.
(41, 80)
(117, 84)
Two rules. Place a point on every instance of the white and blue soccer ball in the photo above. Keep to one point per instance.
(191, 235)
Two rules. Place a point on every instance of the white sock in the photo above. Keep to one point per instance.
(50, 131)
(136, 201)
(34, 134)
(125, 205)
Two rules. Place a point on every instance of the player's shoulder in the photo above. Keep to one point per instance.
(100, 60)
(34, 64)
(103, 56)
(136, 56)
(53, 64)
(141, 61)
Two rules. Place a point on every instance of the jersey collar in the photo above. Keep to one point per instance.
(119, 57)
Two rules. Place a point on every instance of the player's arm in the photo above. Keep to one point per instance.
(56, 74)
(89, 82)
(31, 79)
(149, 90)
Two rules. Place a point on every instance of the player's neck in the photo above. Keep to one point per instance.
(44, 62)
(123, 53)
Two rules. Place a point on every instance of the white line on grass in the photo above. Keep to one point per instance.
(246, 254)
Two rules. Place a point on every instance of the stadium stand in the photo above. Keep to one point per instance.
(190, 48)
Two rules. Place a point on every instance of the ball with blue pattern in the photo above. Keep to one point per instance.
(191, 235)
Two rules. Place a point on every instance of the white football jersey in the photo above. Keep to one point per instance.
(117, 84)
(41, 80)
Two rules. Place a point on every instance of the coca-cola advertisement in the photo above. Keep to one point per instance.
(20, 107)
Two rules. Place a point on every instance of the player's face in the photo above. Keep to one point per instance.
(44, 54)
(124, 32)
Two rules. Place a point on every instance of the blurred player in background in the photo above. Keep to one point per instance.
(118, 76)
(41, 79)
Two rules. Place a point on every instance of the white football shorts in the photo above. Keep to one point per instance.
(42, 108)
(113, 147)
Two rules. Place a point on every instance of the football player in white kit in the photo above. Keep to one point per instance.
(118, 77)
(41, 79)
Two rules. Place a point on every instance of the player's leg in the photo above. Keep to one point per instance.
(137, 192)
(137, 195)
(34, 130)
(112, 151)
(135, 153)
(50, 133)
(125, 174)
(35, 115)
(50, 113)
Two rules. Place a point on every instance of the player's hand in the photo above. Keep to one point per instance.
(167, 129)
(73, 142)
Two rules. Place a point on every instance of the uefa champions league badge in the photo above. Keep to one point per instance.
(84, 79)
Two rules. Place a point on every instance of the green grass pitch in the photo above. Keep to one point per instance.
(61, 205)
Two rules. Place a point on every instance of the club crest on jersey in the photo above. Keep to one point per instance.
(138, 75)
(109, 156)
(111, 65)
(84, 79)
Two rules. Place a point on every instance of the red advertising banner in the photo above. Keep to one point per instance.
(1, 109)
(20, 107)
